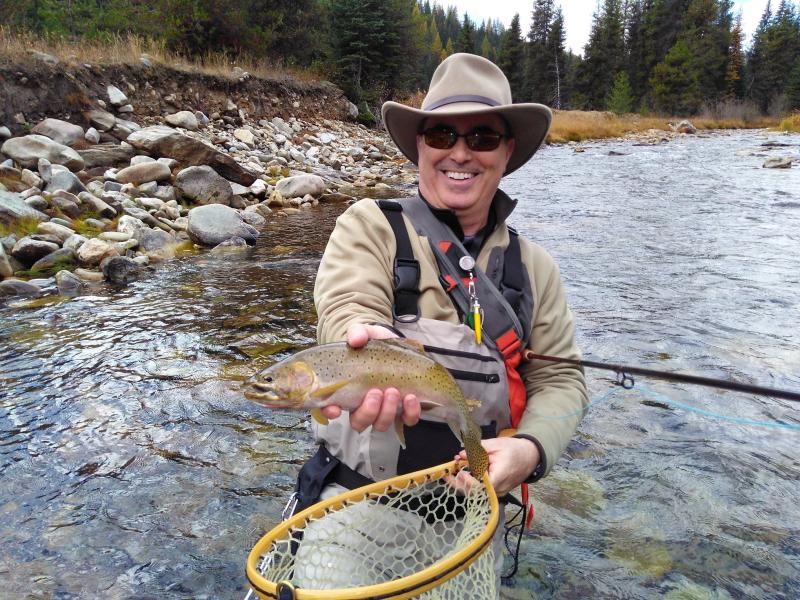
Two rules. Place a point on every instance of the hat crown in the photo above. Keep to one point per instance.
(466, 77)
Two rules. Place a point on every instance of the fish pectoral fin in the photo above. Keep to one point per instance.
(316, 414)
(429, 405)
(401, 434)
(330, 389)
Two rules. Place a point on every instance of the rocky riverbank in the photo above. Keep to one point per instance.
(101, 193)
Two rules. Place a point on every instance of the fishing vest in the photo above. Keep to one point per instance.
(484, 371)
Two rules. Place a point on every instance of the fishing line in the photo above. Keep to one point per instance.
(625, 381)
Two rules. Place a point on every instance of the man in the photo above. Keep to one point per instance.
(443, 268)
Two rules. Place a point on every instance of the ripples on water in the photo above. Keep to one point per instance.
(131, 466)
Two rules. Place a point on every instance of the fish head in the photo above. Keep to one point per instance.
(283, 385)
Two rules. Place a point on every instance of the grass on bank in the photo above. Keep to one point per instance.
(18, 47)
(791, 123)
(578, 125)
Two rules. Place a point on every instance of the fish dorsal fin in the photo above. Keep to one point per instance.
(330, 389)
(406, 343)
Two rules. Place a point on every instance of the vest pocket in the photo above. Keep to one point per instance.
(473, 376)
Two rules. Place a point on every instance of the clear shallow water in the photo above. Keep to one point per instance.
(132, 468)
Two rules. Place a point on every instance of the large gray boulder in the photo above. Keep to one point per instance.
(62, 178)
(60, 131)
(155, 243)
(121, 270)
(160, 140)
(212, 224)
(13, 208)
(203, 185)
(28, 149)
(300, 185)
(102, 120)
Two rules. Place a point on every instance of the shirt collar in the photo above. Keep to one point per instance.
(502, 206)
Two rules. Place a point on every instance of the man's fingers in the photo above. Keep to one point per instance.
(332, 411)
(370, 408)
(411, 410)
(357, 335)
(388, 412)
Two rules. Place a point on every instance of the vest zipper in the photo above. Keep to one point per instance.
(472, 376)
(459, 353)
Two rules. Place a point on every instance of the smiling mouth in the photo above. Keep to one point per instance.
(459, 175)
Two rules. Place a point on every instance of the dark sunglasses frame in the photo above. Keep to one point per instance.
(479, 139)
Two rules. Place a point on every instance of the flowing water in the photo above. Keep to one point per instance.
(131, 467)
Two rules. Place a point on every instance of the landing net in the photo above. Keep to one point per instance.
(413, 536)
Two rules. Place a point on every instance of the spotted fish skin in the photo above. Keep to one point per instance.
(336, 374)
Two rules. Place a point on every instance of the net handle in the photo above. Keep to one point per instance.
(399, 589)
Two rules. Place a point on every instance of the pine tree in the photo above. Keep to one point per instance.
(466, 37)
(538, 57)
(603, 55)
(675, 82)
(793, 88)
(620, 101)
(735, 69)
(555, 48)
(511, 57)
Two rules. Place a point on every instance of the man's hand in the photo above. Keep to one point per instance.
(379, 407)
(511, 461)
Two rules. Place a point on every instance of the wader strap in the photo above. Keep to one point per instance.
(501, 320)
(512, 282)
(406, 267)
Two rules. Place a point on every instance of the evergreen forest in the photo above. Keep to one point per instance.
(647, 56)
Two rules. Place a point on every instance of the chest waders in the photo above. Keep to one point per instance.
(505, 298)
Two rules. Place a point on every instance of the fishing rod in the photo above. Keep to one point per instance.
(625, 379)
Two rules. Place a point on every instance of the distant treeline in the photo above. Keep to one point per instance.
(667, 56)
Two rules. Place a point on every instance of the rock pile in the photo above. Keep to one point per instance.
(103, 202)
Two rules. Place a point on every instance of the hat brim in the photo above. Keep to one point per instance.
(529, 123)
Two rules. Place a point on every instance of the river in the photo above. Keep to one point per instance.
(131, 467)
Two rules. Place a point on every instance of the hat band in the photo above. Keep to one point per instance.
(462, 98)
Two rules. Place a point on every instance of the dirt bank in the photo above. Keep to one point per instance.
(31, 92)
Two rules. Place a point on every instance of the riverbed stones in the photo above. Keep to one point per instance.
(121, 270)
(63, 132)
(97, 205)
(6, 270)
(300, 185)
(28, 149)
(94, 251)
(51, 228)
(13, 208)
(183, 118)
(18, 287)
(212, 224)
(164, 141)
(60, 257)
(144, 172)
(88, 275)
(155, 243)
(102, 120)
(116, 96)
(28, 250)
(203, 185)
(69, 284)
(778, 162)
(62, 178)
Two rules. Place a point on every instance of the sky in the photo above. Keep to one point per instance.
(577, 15)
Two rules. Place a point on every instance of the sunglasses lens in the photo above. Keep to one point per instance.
(440, 138)
(483, 141)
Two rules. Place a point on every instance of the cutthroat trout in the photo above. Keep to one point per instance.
(338, 374)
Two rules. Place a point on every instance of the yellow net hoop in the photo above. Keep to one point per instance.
(458, 525)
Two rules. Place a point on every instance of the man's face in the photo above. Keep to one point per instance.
(461, 179)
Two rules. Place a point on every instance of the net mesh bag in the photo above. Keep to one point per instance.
(413, 536)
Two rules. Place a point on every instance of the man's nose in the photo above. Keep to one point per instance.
(460, 152)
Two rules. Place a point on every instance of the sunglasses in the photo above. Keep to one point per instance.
(480, 139)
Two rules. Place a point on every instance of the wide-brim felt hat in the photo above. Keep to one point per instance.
(467, 84)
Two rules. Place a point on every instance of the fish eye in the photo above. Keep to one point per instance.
(268, 379)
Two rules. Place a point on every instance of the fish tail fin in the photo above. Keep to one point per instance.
(401, 434)
(477, 457)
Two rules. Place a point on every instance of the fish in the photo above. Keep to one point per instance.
(338, 374)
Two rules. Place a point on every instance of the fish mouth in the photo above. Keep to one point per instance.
(263, 393)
